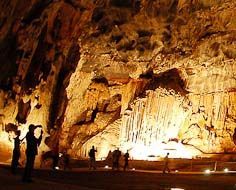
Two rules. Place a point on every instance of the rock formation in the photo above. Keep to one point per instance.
(149, 76)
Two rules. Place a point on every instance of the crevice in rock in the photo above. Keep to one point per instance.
(98, 14)
(107, 18)
(10, 127)
(121, 3)
(39, 67)
(74, 3)
(234, 136)
(94, 114)
(23, 111)
(100, 79)
(60, 100)
(170, 79)
(56, 27)
(8, 66)
(36, 11)
(2, 21)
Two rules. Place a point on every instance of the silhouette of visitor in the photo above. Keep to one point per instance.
(31, 151)
(109, 158)
(55, 156)
(66, 160)
(115, 159)
(126, 158)
(92, 159)
(16, 152)
(166, 164)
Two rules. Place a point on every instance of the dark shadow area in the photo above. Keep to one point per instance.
(121, 3)
(39, 68)
(59, 100)
(23, 111)
(8, 66)
(36, 11)
(170, 80)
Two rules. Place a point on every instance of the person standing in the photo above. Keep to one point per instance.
(55, 156)
(115, 159)
(166, 164)
(126, 158)
(92, 158)
(66, 161)
(31, 151)
(16, 152)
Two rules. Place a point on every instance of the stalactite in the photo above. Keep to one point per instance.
(153, 120)
(164, 69)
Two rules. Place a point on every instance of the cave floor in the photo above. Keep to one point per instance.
(82, 179)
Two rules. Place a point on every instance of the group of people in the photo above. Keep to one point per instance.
(115, 156)
(32, 150)
(59, 160)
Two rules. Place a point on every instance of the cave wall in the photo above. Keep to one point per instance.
(46, 53)
(134, 74)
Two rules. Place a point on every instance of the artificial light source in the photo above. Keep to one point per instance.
(226, 170)
(133, 169)
(207, 171)
(57, 168)
(106, 166)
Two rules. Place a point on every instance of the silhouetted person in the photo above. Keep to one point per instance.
(66, 161)
(92, 158)
(109, 158)
(16, 152)
(166, 164)
(55, 156)
(115, 159)
(126, 159)
(31, 151)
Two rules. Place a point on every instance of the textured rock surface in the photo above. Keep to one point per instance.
(146, 75)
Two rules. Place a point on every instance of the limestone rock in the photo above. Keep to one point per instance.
(151, 75)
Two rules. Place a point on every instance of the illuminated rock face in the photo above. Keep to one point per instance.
(147, 76)
(185, 125)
